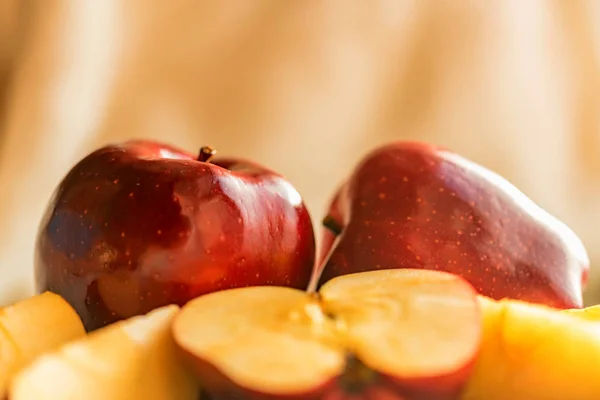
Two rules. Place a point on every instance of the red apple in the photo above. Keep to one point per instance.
(393, 334)
(140, 225)
(412, 205)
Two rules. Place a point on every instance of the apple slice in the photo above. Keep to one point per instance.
(387, 333)
(533, 352)
(132, 359)
(31, 327)
(591, 313)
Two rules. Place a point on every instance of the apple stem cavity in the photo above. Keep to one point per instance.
(316, 297)
(206, 154)
(330, 223)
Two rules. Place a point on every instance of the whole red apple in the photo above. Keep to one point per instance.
(139, 225)
(413, 205)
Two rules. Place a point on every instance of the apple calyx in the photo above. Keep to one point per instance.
(206, 154)
(332, 225)
(356, 378)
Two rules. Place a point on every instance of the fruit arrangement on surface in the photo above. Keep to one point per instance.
(438, 280)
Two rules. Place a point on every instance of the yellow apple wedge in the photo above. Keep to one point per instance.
(591, 313)
(532, 352)
(34, 326)
(132, 359)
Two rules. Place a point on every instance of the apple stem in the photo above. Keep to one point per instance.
(330, 223)
(206, 154)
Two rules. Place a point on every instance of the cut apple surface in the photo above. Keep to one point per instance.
(32, 327)
(272, 337)
(133, 359)
(410, 332)
(591, 313)
(532, 352)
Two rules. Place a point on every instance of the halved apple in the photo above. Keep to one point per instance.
(32, 327)
(394, 334)
(532, 352)
(132, 359)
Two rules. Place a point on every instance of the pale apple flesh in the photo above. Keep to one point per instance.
(388, 331)
(533, 352)
(132, 359)
(591, 313)
(31, 327)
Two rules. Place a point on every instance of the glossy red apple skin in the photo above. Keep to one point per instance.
(139, 225)
(414, 205)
